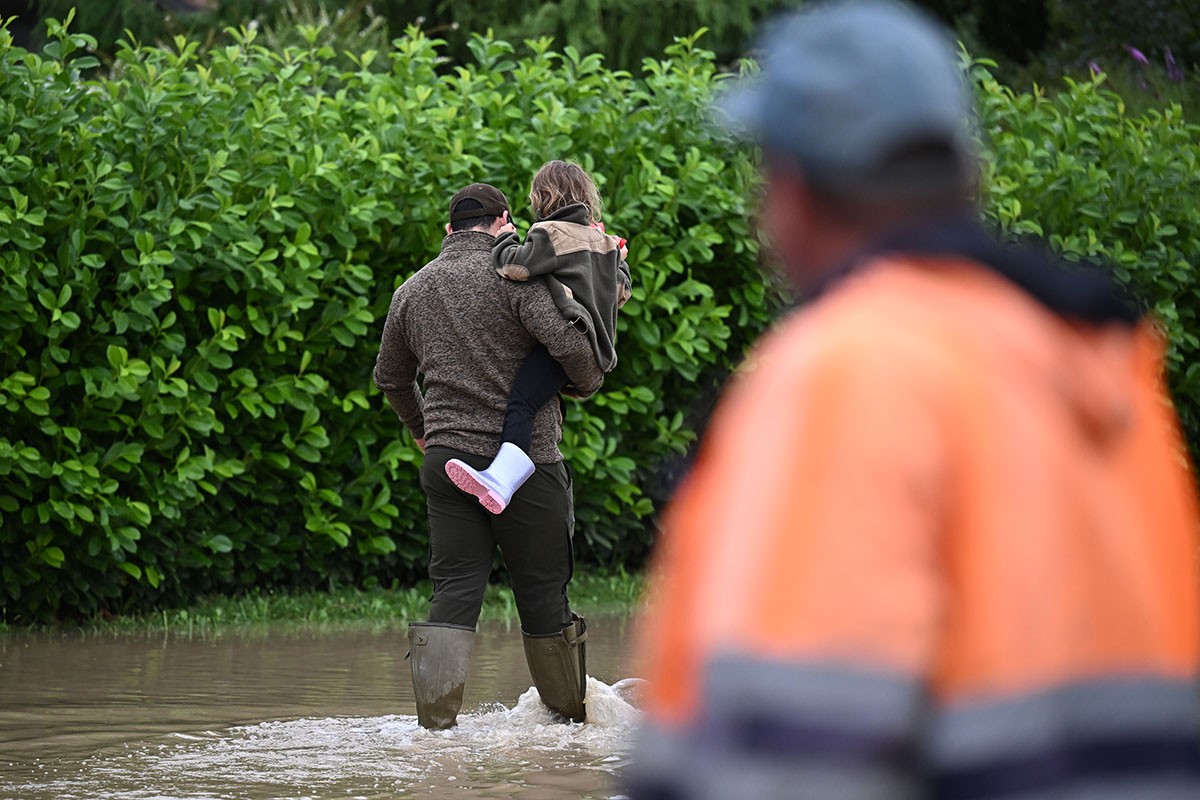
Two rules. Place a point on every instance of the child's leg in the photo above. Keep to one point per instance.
(538, 382)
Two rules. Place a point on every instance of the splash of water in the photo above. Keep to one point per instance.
(493, 752)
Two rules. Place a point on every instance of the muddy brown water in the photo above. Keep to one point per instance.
(293, 713)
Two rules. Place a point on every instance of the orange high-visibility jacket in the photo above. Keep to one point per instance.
(939, 542)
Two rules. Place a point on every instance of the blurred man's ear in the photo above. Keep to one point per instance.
(500, 222)
(449, 230)
(809, 231)
(784, 218)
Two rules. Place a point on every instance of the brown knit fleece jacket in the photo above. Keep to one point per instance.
(466, 330)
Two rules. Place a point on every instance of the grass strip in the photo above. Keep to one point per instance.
(602, 594)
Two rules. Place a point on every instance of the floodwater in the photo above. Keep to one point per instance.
(292, 713)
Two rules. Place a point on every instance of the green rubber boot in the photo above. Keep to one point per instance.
(558, 664)
(440, 657)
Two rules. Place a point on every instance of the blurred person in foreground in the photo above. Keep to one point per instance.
(941, 539)
(466, 331)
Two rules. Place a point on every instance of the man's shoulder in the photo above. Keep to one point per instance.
(446, 266)
(473, 272)
(884, 319)
(412, 283)
(532, 290)
(899, 295)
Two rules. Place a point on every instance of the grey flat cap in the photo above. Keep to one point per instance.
(846, 86)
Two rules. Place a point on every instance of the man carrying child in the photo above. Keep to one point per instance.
(467, 331)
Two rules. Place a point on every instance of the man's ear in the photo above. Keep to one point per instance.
(502, 220)
(449, 230)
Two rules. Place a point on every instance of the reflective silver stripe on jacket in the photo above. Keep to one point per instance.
(774, 729)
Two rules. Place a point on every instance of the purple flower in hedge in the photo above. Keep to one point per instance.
(1174, 71)
(1094, 68)
(1137, 55)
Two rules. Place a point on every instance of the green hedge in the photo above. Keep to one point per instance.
(1096, 183)
(197, 256)
(623, 31)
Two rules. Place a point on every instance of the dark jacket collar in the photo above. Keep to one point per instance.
(576, 212)
(1080, 291)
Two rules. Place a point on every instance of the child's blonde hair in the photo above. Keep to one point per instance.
(560, 183)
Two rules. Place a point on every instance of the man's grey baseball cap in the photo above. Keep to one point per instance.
(847, 87)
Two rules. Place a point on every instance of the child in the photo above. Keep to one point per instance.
(588, 278)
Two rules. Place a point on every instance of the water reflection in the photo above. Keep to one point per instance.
(299, 714)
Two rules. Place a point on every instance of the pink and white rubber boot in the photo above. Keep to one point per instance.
(494, 486)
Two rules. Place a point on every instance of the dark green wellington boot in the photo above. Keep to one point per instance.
(440, 656)
(558, 664)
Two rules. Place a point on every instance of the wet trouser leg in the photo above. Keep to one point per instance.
(533, 534)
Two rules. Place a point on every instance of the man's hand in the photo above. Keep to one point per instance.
(420, 444)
